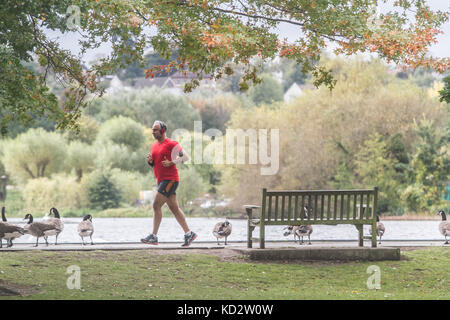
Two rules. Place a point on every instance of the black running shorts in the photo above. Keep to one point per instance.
(167, 187)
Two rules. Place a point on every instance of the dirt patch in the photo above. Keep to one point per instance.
(12, 289)
(223, 254)
(231, 255)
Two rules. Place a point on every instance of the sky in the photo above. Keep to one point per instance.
(441, 49)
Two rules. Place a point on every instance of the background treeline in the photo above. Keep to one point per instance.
(377, 127)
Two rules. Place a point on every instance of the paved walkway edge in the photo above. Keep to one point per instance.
(271, 253)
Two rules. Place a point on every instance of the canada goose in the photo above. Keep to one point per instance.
(444, 226)
(291, 230)
(380, 229)
(303, 231)
(9, 231)
(39, 229)
(56, 222)
(222, 229)
(85, 228)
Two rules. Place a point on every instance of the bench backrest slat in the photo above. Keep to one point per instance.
(335, 206)
(276, 208)
(368, 210)
(269, 209)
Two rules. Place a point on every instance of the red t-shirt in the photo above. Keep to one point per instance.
(161, 151)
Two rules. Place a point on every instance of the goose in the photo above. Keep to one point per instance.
(85, 228)
(39, 229)
(9, 231)
(56, 222)
(303, 231)
(380, 229)
(222, 229)
(444, 226)
(291, 230)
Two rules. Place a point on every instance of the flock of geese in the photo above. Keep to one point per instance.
(306, 230)
(53, 226)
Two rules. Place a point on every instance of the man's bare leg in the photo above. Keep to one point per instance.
(157, 211)
(177, 212)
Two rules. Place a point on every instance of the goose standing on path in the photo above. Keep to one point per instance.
(85, 228)
(222, 229)
(39, 229)
(444, 226)
(303, 231)
(9, 231)
(380, 229)
(56, 222)
(291, 230)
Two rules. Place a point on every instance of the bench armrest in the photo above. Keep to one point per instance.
(249, 210)
(251, 206)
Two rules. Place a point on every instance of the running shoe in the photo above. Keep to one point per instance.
(188, 238)
(150, 239)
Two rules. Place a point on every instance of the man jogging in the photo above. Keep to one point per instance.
(164, 155)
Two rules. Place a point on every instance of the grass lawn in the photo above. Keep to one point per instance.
(187, 274)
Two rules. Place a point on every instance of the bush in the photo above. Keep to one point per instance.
(191, 185)
(34, 154)
(80, 158)
(2, 167)
(110, 156)
(129, 184)
(101, 191)
(268, 91)
(88, 131)
(122, 131)
(62, 191)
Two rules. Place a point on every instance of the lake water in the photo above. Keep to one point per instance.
(133, 229)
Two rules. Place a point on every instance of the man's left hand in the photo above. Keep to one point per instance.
(166, 163)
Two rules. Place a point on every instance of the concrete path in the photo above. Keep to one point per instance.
(213, 245)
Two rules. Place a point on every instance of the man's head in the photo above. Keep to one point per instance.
(159, 129)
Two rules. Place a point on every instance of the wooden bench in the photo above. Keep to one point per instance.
(308, 207)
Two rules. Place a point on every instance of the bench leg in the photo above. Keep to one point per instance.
(249, 235)
(249, 228)
(374, 234)
(261, 236)
(360, 234)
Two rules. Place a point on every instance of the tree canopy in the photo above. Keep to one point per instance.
(208, 35)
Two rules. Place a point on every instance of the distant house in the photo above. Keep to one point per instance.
(115, 85)
(292, 93)
(173, 83)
